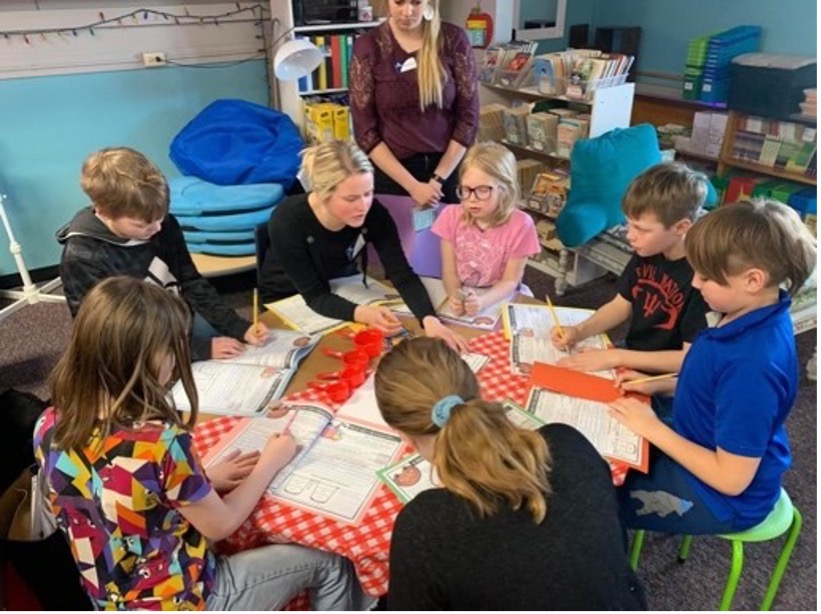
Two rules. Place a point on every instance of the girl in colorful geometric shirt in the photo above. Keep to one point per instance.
(128, 489)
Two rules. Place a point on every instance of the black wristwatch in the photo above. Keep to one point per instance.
(438, 178)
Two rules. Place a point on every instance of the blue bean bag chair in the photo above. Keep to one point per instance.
(194, 196)
(232, 142)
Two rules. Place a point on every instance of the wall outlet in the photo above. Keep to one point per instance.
(154, 58)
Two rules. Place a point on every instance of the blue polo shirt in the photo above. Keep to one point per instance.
(738, 383)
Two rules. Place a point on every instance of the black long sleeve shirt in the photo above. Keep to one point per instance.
(304, 256)
(445, 557)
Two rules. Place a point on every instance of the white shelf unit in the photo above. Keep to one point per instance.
(610, 107)
(288, 95)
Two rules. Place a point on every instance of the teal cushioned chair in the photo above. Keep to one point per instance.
(601, 168)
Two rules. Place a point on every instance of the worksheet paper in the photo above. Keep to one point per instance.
(334, 472)
(612, 439)
(296, 313)
(487, 319)
(528, 328)
(283, 349)
(233, 389)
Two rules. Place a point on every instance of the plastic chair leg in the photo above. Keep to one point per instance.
(783, 560)
(684, 548)
(735, 573)
(635, 550)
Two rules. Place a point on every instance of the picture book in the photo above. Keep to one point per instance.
(413, 474)
(247, 384)
(296, 313)
(581, 400)
(528, 327)
(334, 474)
(487, 319)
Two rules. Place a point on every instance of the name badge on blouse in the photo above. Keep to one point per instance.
(409, 64)
(357, 247)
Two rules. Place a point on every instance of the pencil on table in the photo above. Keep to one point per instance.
(256, 311)
(651, 378)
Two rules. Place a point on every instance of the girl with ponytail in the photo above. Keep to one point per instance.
(522, 520)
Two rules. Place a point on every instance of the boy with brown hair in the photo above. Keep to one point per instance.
(127, 230)
(719, 465)
(655, 289)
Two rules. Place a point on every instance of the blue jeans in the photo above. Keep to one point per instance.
(665, 501)
(267, 578)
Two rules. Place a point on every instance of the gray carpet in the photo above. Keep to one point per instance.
(33, 338)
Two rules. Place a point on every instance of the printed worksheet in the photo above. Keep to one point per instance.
(485, 319)
(284, 349)
(528, 328)
(334, 473)
(337, 475)
(235, 389)
(296, 313)
(612, 439)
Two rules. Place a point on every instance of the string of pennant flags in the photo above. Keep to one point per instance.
(137, 17)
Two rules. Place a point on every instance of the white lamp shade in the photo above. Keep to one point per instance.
(296, 59)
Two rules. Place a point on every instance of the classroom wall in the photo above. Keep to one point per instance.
(668, 25)
(49, 124)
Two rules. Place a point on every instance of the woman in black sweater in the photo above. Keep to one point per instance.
(523, 520)
(324, 235)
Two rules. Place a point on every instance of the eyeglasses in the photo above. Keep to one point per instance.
(480, 192)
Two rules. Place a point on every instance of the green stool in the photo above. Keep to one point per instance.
(784, 517)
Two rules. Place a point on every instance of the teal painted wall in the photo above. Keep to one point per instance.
(668, 25)
(48, 125)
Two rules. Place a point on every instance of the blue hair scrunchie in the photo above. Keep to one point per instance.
(440, 412)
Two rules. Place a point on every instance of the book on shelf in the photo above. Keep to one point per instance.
(528, 328)
(334, 471)
(248, 384)
(515, 120)
(542, 131)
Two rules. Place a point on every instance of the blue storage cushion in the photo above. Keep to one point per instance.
(234, 142)
(213, 236)
(223, 249)
(601, 169)
(193, 196)
(220, 223)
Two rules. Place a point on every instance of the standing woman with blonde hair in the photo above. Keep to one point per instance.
(523, 520)
(324, 235)
(415, 106)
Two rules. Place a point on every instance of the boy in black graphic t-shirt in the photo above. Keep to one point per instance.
(655, 289)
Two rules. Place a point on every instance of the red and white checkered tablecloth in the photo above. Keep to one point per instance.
(366, 544)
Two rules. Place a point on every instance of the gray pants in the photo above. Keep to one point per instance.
(267, 578)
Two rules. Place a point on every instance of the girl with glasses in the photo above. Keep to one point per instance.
(486, 240)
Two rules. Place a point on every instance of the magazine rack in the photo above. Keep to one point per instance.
(30, 293)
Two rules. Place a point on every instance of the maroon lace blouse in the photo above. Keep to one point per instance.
(385, 101)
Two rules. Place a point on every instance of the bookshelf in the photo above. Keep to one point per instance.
(290, 94)
(747, 137)
(609, 107)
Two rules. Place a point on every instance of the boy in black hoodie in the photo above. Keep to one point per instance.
(127, 230)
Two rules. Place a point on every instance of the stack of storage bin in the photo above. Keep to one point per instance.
(707, 74)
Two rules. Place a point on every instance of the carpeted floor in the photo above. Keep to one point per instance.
(33, 338)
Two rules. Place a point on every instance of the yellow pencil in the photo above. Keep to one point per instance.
(256, 310)
(652, 378)
(554, 315)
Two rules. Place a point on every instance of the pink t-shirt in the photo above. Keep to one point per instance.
(481, 255)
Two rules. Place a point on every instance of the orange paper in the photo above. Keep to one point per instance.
(586, 386)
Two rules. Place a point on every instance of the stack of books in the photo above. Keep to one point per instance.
(332, 73)
(778, 144)
(809, 108)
